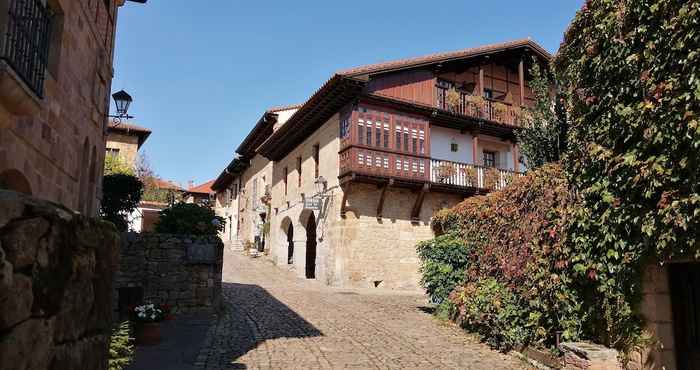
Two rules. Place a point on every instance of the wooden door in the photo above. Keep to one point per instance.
(685, 300)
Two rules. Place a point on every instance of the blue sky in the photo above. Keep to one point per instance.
(201, 75)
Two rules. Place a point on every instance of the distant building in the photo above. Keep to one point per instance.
(124, 140)
(55, 80)
(158, 196)
(201, 194)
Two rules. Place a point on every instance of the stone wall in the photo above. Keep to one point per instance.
(183, 272)
(56, 271)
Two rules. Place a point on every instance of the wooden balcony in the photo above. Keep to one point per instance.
(384, 164)
(379, 165)
(470, 175)
(466, 104)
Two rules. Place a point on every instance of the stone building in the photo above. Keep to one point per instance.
(201, 194)
(55, 78)
(124, 140)
(350, 179)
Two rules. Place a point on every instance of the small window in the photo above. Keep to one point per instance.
(488, 93)
(454, 147)
(286, 176)
(317, 150)
(113, 151)
(299, 171)
(489, 159)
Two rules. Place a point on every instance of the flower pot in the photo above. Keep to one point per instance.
(147, 333)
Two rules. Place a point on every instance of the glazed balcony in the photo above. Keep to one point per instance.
(474, 106)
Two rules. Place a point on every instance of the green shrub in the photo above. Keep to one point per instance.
(443, 261)
(490, 309)
(121, 349)
(518, 238)
(190, 219)
(121, 194)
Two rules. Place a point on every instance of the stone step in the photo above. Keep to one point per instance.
(236, 245)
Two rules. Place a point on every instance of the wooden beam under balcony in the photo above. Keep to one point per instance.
(418, 205)
(380, 204)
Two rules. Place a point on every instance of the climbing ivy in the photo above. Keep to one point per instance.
(631, 75)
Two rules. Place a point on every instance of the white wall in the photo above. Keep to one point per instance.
(440, 143)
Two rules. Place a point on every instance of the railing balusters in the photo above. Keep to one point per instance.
(469, 175)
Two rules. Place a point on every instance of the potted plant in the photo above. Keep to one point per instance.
(146, 319)
(445, 171)
(453, 98)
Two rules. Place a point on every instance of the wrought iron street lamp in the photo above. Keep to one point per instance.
(122, 101)
(321, 185)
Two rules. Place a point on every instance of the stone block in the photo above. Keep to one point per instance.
(16, 299)
(587, 356)
(20, 241)
(27, 346)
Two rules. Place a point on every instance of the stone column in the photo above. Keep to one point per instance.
(300, 258)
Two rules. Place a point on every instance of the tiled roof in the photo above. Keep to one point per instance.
(444, 56)
(167, 184)
(284, 107)
(202, 188)
(129, 128)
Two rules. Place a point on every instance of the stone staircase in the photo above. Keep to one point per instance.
(235, 245)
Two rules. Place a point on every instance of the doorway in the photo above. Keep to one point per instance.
(290, 244)
(311, 247)
(685, 304)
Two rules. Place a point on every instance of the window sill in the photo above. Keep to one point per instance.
(15, 95)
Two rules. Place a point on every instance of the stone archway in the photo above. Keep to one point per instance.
(15, 181)
(287, 228)
(311, 247)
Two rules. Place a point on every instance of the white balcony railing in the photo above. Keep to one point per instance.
(469, 175)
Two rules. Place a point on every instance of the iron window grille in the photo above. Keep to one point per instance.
(27, 41)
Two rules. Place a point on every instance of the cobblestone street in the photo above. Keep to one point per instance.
(273, 320)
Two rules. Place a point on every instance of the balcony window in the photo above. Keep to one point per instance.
(345, 128)
(489, 159)
(369, 133)
(398, 136)
(361, 131)
(27, 41)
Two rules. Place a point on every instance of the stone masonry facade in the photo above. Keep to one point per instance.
(52, 141)
(183, 272)
(56, 271)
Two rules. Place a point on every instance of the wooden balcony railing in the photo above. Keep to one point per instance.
(478, 107)
(378, 163)
(26, 41)
(384, 164)
(470, 175)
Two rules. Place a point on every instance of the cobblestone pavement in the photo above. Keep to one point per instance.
(274, 320)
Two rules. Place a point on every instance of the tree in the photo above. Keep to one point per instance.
(116, 164)
(121, 195)
(189, 218)
(542, 139)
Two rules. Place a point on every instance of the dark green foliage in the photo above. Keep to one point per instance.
(443, 261)
(121, 348)
(121, 194)
(492, 310)
(542, 139)
(631, 73)
(190, 219)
